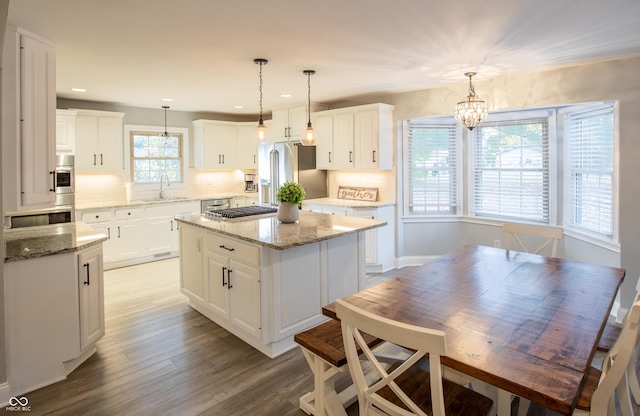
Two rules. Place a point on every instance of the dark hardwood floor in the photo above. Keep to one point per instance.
(160, 357)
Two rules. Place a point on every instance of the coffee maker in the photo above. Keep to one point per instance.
(250, 183)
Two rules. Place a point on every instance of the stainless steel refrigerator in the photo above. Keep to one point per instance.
(289, 162)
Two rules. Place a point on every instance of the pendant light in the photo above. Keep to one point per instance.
(309, 137)
(165, 135)
(262, 129)
(472, 111)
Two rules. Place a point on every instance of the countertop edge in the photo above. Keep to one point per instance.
(280, 247)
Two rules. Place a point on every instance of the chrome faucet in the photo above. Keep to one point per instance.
(164, 175)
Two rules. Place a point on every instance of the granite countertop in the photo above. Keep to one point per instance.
(266, 230)
(349, 203)
(167, 200)
(46, 240)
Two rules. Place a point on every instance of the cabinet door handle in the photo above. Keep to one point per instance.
(254, 159)
(94, 159)
(171, 225)
(329, 157)
(229, 278)
(53, 181)
(101, 159)
(87, 269)
(219, 162)
(374, 156)
(223, 282)
(108, 232)
(118, 231)
(227, 248)
(198, 244)
(350, 153)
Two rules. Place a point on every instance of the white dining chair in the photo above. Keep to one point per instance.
(610, 335)
(406, 388)
(599, 392)
(546, 235)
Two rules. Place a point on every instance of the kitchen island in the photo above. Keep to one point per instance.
(265, 281)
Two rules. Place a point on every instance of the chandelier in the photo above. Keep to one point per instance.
(472, 111)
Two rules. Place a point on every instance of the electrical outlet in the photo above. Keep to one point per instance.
(496, 243)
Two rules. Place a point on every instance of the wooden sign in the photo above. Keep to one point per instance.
(359, 194)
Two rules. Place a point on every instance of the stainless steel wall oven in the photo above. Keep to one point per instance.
(64, 180)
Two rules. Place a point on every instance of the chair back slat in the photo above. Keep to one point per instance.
(549, 234)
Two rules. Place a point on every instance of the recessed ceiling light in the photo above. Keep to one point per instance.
(167, 99)
(238, 106)
(79, 89)
(285, 95)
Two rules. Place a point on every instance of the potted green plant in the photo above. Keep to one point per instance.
(290, 195)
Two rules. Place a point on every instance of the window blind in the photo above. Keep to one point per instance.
(433, 168)
(510, 170)
(589, 137)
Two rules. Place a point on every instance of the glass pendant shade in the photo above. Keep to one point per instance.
(472, 111)
(309, 137)
(261, 131)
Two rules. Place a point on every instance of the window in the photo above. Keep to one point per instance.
(153, 156)
(433, 155)
(589, 139)
(510, 170)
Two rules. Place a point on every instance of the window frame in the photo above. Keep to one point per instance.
(457, 208)
(141, 188)
(578, 231)
(550, 114)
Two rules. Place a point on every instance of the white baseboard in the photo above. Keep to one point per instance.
(413, 261)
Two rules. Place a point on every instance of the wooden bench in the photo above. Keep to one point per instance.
(323, 349)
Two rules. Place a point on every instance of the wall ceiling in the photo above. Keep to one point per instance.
(200, 52)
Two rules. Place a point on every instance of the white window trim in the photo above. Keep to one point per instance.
(128, 128)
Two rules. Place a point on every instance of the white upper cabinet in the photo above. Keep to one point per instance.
(373, 137)
(247, 146)
(215, 144)
(355, 138)
(66, 131)
(99, 141)
(288, 124)
(28, 120)
(323, 125)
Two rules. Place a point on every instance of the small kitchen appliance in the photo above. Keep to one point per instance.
(250, 183)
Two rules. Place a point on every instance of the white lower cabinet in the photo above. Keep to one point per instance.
(259, 293)
(138, 234)
(91, 294)
(54, 305)
(233, 282)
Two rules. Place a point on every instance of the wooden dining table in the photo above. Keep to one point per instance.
(524, 323)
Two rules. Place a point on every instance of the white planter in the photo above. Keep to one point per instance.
(288, 213)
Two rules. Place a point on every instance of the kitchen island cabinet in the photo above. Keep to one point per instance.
(265, 281)
(54, 302)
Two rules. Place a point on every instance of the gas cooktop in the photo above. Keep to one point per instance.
(240, 212)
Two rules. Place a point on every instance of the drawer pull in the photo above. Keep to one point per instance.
(227, 248)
